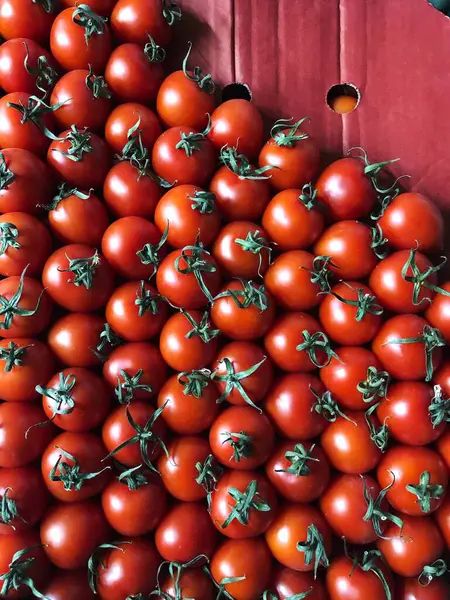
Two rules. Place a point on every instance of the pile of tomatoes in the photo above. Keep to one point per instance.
(222, 365)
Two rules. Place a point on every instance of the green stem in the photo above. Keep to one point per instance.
(379, 242)
(171, 12)
(107, 342)
(321, 273)
(60, 398)
(244, 502)
(241, 444)
(375, 512)
(8, 510)
(8, 237)
(9, 308)
(299, 457)
(369, 563)
(439, 408)
(64, 191)
(128, 385)
(209, 473)
(44, 73)
(194, 382)
(314, 549)
(175, 570)
(287, 138)
(93, 24)
(97, 85)
(84, 270)
(204, 82)
(240, 165)
(255, 243)
(233, 380)
(6, 175)
(375, 385)
(147, 300)
(426, 491)
(16, 577)
(70, 475)
(203, 201)
(326, 406)
(250, 295)
(308, 197)
(79, 144)
(437, 569)
(380, 436)
(191, 142)
(201, 330)
(317, 342)
(133, 478)
(153, 52)
(419, 279)
(34, 112)
(95, 562)
(365, 304)
(196, 263)
(13, 355)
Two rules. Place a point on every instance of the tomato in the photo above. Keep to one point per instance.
(413, 359)
(288, 279)
(24, 243)
(72, 531)
(190, 583)
(128, 568)
(178, 468)
(72, 466)
(241, 438)
(128, 424)
(69, 585)
(243, 566)
(185, 532)
(356, 378)
(189, 277)
(80, 157)
(299, 471)
(293, 152)
(411, 589)
(77, 218)
(191, 402)
(418, 544)
(442, 377)
(349, 445)
(413, 220)
(350, 313)
(24, 364)
(135, 20)
(15, 76)
(290, 406)
(74, 338)
(237, 123)
(442, 517)
(292, 220)
(22, 18)
(243, 504)
(407, 411)
(350, 245)
(287, 583)
(369, 579)
(438, 311)
(190, 212)
(26, 306)
(183, 156)
(78, 278)
(26, 499)
(79, 38)
(123, 118)
(295, 525)
(102, 7)
(243, 373)
(418, 478)
(443, 446)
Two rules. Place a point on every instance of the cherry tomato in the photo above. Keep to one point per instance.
(74, 338)
(438, 312)
(123, 118)
(443, 446)
(411, 589)
(24, 364)
(23, 18)
(192, 583)
(346, 580)
(442, 517)
(25, 243)
(241, 438)
(413, 220)
(71, 531)
(185, 532)
(299, 471)
(349, 446)
(287, 583)
(135, 20)
(69, 585)
(442, 377)
(78, 278)
(102, 7)
(14, 75)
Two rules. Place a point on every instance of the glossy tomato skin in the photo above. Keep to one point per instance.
(16, 450)
(134, 512)
(135, 20)
(193, 583)
(289, 405)
(72, 531)
(101, 7)
(73, 337)
(186, 414)
(442, 518)
(404, 361)
(412, 220)
(69, 47)
(69, 585)
(185, 532)
(22, 18)
(13, 75)
(18, 384)
(236, 558)
(349, 243)
(241, 419)
(344, 581)
(59, 282)
(123, 117)
(443, 446)
(290, 527)
(402, 466)
(289, 223)
(341, 377)
(287, 583)
(438, 312)
(410, 589)
(348, 446)
(35, 245)
(222, 504)
(442, 377)
(25, 486)
(303, 487)
(131, 76)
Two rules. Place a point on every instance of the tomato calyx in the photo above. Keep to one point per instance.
(70, 475)
(437, 569)
(375, 385)
(250, 295)
(233, 380)
(79, 143)
(255, 243)
(171, 12)
(372, 170)
(8, 510)
(439, 408)
(426, 491)
(47, 5)
(285, 133)
(134, 151)
(369, 563)
(64, 191)
(314, 549)
(240, 165)
(133, 478)
(202, 330)
(97, 85)
(17, 576)
(126, 388)
(147, 300)
(378, 243)
(221, 585)
(241, 444)
(8, 237)
(204, 82)
(95, 562)
(153, 52)
(209, 473)
(269, 595)
(60, 398)
(244, 503)
(6, 175)
(299, 457)
(365, 304)
(10, 308)
(420, 279)
(175, 570)
(375, 514)
(84, 270)
(203, 201)
(321, 272)
(190, 142)
(44, 73)
(33, 112)
(194, 382)
(108, 340)
(308, 196)
(149, 253)
(196, 263)
(317, 342)
(85, 17)
(13, 355)
(327, 406)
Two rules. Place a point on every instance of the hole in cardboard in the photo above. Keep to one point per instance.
(236, 90)
(343, 98)
(442, 5)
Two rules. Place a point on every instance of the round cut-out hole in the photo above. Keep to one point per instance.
(233, 91)
(343, 98)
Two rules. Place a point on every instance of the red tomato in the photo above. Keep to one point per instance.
(135, 20)
(123, 118)
(290, 406)
(72, 466)
(74, 339)
(367, 579)
(25, 363)
(442, 377)
(412, 589)
(415, 358)
(24, 243)
(438, 312)
(102, 7)
(243, 504)
(25, 65)
(20, 442)
(79, 38)
(190, 583)
(300, 525)
(443, 446)
(356, 378)
(418, 478)
(72, 531)
(292, 220)
(287, 583)
(23, 18)
(69, 585)
(293, 152)
(191, 402)
(26, 499)
(442, 517)
(185, 532)
(241, 438)
(78, 278)
(349, 446)
(247, 563)
(299, 471)
(413, 220)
